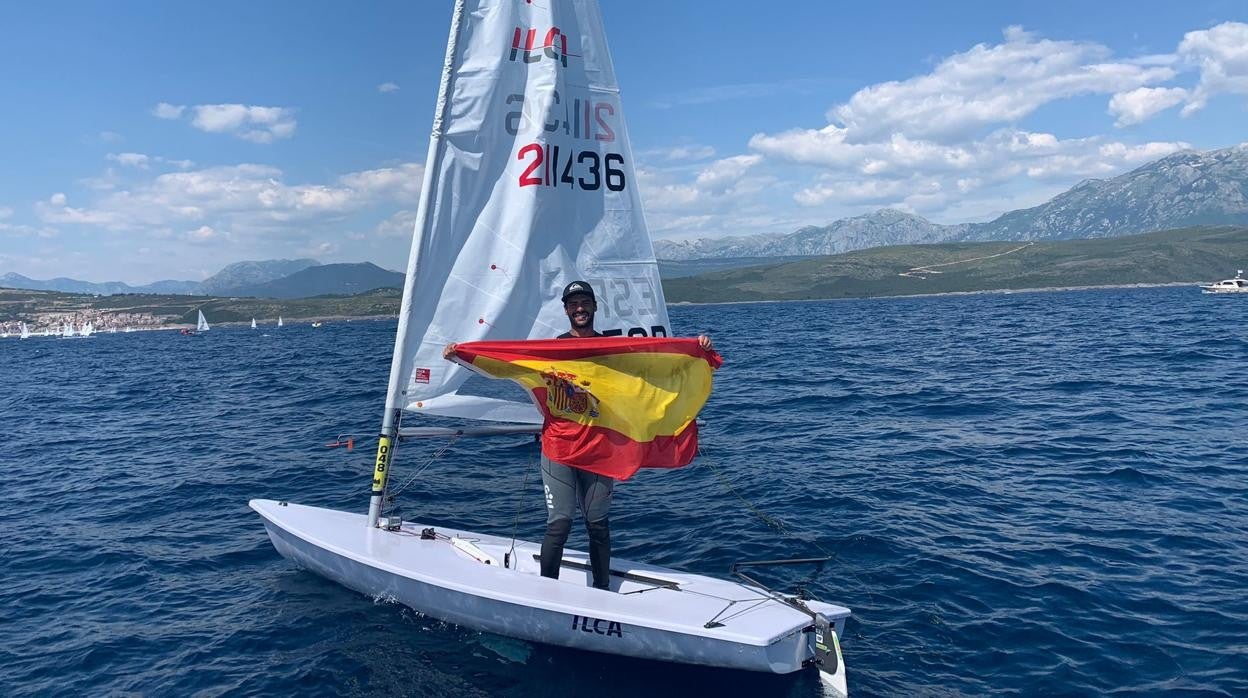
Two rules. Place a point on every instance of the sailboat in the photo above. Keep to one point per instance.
(87, 330)
(253, 323)
(279, 320)
(530, 185)
(202, 325)
(25, 331)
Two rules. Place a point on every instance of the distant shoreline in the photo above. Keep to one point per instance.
(1001, 291)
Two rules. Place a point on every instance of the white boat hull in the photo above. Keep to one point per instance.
(651, 612)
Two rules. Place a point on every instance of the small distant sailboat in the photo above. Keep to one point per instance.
(87, 330)
(202, 326)
(253, 323)
(25, 331)
(279, 320)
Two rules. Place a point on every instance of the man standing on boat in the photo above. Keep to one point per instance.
(565, 485)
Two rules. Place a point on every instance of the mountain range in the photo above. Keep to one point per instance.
(1184, 189)
(324, 280)
(274, 278)
(1180, 190)
(107, 288)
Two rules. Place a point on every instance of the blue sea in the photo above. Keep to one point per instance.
(1031, 493)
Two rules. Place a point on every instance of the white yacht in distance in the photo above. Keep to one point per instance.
(1236, 285)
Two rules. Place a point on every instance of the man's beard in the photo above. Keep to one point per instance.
(589, 322)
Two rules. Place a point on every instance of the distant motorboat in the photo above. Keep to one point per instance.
(316, 324)
(1236, 285)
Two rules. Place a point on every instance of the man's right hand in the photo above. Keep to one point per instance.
(449, 352)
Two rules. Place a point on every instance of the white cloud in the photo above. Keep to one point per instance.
(1221, 54)
(5, 212)
(165, 110)
(23, 231)
(387, 87)
(398, 225)
(1143, 102)
(110, 137)
(721, 174)
(988, 85)
(252, 123)
(243, 199)
(939, 141)
(138, 160)
(206, 234)
(57, 210)
(681, 153)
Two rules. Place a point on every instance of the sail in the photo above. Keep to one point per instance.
(87, 330)
(253, 323)
(279, 320)
(67, 330)
(529, 185)
(25, 331)
(202, 325)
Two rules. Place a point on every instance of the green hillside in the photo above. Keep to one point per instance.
(1170, 256)
(178, 309)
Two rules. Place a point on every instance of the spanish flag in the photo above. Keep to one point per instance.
(611, 404)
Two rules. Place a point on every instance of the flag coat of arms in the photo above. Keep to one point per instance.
(610, 405)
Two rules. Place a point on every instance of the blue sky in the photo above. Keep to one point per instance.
(154, 140)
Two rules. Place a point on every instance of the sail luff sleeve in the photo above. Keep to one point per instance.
(611, 405)
(400, 360)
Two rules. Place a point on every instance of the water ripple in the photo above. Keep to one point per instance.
(1030, 493)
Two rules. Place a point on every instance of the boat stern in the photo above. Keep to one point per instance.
(825, 646)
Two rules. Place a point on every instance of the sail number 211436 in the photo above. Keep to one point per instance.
(548, 165)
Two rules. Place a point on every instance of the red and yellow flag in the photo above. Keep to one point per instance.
(611, 404)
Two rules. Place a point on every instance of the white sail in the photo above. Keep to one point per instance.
(253, 323)
(279, 320)
(67, 330)
(529, 186)
(87, 330)
(202, 325)
(25, 331)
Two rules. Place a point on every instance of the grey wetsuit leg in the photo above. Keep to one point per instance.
(559, 483)
(594, 492)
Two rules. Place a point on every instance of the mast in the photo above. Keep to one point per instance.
(398, 377)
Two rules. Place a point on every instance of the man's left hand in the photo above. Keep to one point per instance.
(704, 341)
